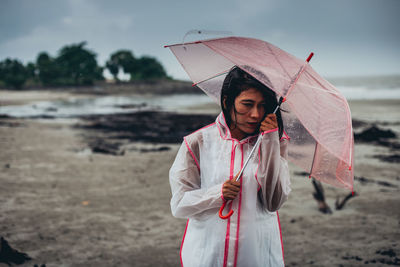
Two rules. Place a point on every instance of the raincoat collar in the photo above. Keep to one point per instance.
(225, 132)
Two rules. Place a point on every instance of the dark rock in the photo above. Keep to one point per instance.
(395, 158)
(158, 149)
(106, 148)
(9, 255)
(147, 126)
(383, 183)
(302, 173)
(357, 258)
(395, 261)
(357, 123)
(374, 134)
(390, 144)
(42, 117)
(389, 252)
(52, 109)
(10, 124)
(105, 132)
(132, 106)
(364, 181)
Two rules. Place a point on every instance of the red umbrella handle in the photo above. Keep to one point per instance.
(222, 209)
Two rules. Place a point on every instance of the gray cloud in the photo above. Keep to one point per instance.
(18, 18)
(349, 37)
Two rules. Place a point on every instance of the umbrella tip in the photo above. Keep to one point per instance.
(310, 56)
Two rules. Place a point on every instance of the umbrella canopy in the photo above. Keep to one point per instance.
(316, 115)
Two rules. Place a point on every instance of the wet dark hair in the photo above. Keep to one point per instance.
(238, 81)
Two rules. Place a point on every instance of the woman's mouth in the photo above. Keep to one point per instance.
(252, 124)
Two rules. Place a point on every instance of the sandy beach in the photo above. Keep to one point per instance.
(74, 192)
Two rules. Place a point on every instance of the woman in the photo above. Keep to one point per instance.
(202, 178)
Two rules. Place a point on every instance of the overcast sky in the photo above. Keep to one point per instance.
(351, 37)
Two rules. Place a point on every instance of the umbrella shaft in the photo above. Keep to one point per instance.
(249, 157)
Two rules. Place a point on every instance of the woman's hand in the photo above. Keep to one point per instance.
(230, 189)
(269, 123)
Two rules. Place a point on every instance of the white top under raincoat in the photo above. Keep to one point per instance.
(251, 236)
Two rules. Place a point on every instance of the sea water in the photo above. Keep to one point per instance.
(369, 87)
(75, 107)
(353, 88)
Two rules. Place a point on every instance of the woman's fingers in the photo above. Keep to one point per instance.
(230, 195)
(230, 189)
(270, 119)
(269, 123)
(232, 183)
(271, 116)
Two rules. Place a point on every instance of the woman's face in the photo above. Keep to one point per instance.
(250, 110)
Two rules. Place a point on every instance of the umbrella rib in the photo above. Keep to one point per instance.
(212, 77)
(322, 86)
(321, 144)
(297, 78)
(318, 141)
(322, 90)
(277, 60)
(342, 98)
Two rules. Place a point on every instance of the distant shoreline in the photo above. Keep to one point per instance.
(107, 88)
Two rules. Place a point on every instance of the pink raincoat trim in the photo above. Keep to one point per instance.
(191, 153)
(183, 240)
(240, 207)
(280, 232)
(228, 226)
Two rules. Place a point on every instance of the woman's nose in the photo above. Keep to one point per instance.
(255, 113)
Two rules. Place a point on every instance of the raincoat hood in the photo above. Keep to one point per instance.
(225, 132)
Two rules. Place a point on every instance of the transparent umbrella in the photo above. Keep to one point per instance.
(317, 117)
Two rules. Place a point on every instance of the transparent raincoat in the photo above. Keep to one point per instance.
(251, 236)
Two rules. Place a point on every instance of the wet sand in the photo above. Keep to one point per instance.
(64, 205)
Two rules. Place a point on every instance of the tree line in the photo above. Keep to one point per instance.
(76, 65)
